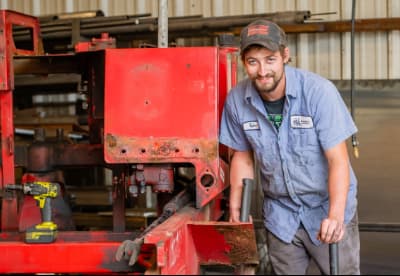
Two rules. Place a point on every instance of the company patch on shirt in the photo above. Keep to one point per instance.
(251, 125)
(301, 122)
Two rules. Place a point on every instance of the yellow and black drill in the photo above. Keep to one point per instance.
(43, 192)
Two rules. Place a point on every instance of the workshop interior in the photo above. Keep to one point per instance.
(110, 114)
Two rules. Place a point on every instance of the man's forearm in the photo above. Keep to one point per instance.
(338, 181)
(338, 189)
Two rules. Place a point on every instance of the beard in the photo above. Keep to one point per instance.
(266, 88)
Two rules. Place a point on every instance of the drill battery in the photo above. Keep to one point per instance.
(45, 232)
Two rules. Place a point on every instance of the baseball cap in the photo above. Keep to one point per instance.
(262, 32)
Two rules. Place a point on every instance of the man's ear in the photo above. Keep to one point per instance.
(286, 55)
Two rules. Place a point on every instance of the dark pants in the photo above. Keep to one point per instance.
(294, 258)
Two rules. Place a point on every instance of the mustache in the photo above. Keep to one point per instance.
(270, 75)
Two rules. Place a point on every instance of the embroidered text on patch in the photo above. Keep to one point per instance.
(301, 122)
(251, 126)
(258, 29)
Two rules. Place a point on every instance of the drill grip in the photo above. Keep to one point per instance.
(46, 210)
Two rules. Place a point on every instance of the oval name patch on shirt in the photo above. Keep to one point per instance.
(301, 122)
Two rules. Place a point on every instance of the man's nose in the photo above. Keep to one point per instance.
(263, 69)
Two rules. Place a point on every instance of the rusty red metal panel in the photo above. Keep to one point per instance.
(224, 243)
(163, 93)
(188, 239)
(174, 247)
(164, 106)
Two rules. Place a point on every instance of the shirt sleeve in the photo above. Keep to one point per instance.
(231, 129)
(333, 120)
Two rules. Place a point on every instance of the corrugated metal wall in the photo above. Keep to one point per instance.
(377, 54)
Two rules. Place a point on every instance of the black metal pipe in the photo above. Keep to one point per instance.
(334, 258)
(246, 199)
(176, 24)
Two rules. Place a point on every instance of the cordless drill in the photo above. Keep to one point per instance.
(43, 192)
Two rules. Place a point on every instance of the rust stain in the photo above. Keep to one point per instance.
(242, 242)
(160, 149)
(111, 141)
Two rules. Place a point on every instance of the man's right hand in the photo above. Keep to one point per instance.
(234, 215)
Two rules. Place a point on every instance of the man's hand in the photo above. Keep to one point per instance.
(331, 231)
(234, 215)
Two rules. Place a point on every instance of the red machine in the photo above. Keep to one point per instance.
(153, 121)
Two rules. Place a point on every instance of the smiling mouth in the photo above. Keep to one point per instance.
(265, 79)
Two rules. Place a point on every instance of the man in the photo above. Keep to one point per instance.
(295, 124)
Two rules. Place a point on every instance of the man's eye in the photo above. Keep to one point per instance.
(251, 62)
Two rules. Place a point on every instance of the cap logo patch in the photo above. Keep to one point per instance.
(258, 30)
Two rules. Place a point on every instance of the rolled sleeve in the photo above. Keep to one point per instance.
(231, 130)
(333, 120)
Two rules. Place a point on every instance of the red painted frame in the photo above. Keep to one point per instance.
(9, 218)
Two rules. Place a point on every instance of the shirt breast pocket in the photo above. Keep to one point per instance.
(305, 147)
(265, 151)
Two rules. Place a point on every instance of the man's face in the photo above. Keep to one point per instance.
(265, 69)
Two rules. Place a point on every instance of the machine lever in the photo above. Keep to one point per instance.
(334, 258)
(246, 199)
(131, 249)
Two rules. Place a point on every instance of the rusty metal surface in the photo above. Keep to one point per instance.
(231, 243)
(155, 150)
(165, 108)
(187, 239)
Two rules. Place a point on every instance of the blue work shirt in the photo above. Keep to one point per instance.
(293, 167)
